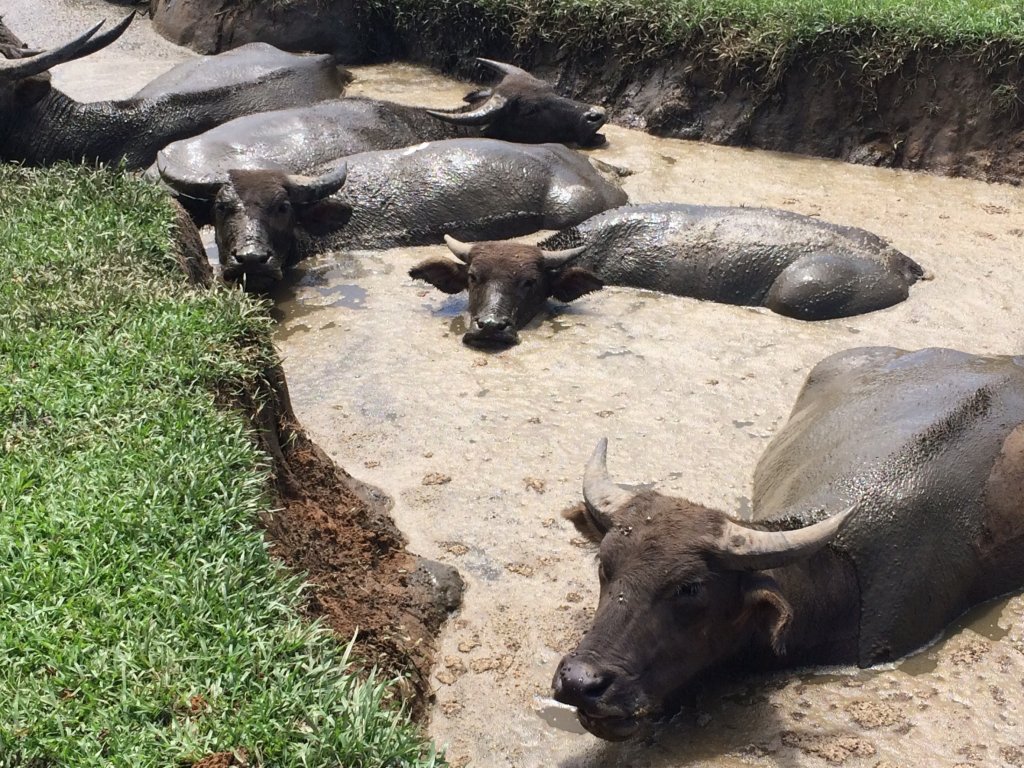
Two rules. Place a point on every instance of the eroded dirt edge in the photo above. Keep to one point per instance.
(339, 532)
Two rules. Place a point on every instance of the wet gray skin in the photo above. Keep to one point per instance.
(793, 264)
(40, 124)
(473, 189)
(909, 464)
(520, 108)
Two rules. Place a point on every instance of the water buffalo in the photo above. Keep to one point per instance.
(39, 124)
(520, 108)
(266, 220)
(508, 283)
(888, 504)
(794, 265)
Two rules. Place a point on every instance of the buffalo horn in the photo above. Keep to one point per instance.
(561, 259)
(198, 190)
(747, 549)
(304, 191)
(482, 115)
(83, 45)
(603, 497)
(460, 249)
(505, 69)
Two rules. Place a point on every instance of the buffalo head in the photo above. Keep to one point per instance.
(24, 72)
(261, 218)
(508, 283)
(683, 588)
(525, 109)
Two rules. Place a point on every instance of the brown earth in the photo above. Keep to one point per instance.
(338, 531)
(928, 109)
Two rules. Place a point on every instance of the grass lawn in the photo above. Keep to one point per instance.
(142, 622)
(758, 33)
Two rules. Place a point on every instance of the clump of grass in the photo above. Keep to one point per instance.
(758, 34)
(141, 620)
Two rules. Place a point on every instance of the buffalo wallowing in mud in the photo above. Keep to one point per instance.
(888, 505)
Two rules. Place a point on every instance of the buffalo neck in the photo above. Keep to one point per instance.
(58, 127)
(824, 595)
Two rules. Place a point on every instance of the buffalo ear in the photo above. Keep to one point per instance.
(587, 525)
(575, 282)
(769, 610)
(444, 274)
(324, 216)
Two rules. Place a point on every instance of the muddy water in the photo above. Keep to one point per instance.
(481, 451)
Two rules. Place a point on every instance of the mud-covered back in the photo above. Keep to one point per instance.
(472, 189)
(910, 438)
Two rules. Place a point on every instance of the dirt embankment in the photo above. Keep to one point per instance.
(339, 532)
(930, 109)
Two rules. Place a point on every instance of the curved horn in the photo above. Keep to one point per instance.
(458, 248)
(482, 115)
(304, 191)
(746, 549)
(603, 497)
(561, 259)
(505, 69)
(203, 189)
(83, 45)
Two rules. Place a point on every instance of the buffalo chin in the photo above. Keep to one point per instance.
(610, 728)
(597, 140)
(253, 282)
(490, 340)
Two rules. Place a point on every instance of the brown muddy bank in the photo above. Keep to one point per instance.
(339, 532)
(939, 110)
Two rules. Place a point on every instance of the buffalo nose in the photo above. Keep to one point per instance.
(251, 257)
(580, 683)
(595, 115)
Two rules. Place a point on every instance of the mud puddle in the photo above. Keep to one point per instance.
(482, 450)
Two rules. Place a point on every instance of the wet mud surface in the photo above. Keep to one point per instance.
(481, 451)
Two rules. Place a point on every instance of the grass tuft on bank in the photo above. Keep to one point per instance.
(753, 34)
(141, 619)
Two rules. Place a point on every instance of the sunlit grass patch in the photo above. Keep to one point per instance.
(758, 34)
(141, 620)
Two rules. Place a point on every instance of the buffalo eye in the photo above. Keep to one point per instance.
(528, 282)
(284, 207)
(471, 277)
(691, 589)
(602, 573)
(223, 206)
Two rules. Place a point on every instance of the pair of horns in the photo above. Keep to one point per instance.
(738, 547)
(552, 259)
(302, 190)
(33, 63)
(491, 107)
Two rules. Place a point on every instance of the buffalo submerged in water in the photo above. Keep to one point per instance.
(793, 264)
(889, 504)
(520, 108)
(267, 220)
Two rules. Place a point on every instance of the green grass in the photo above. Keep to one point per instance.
(142, 622)
(758, 34)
